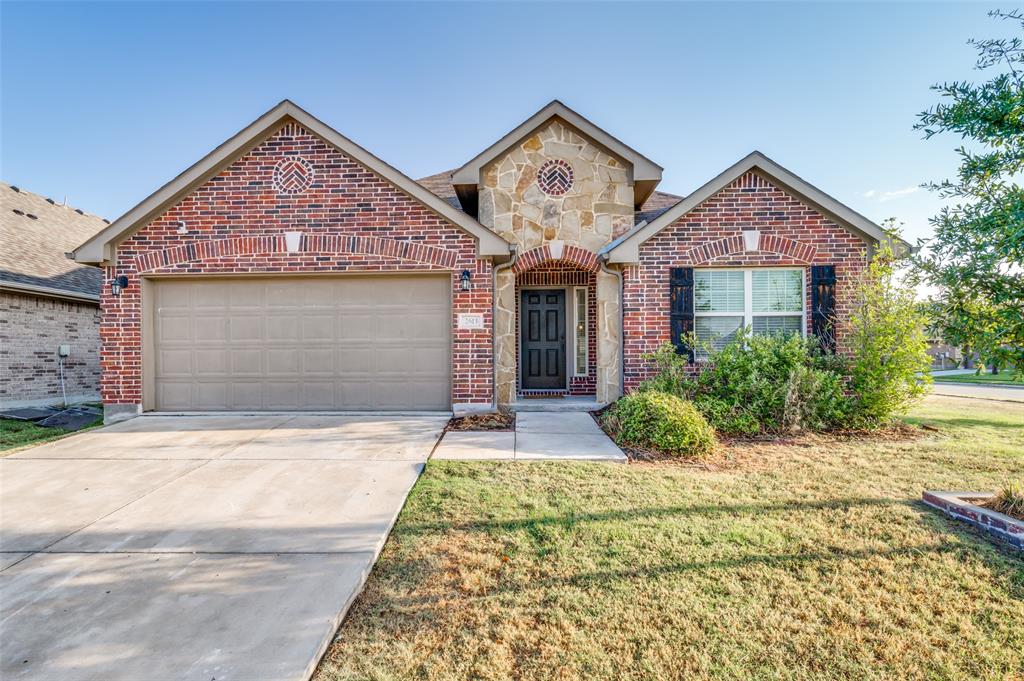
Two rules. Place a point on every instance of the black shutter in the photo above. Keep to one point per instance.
(823, 305)
(681, 296)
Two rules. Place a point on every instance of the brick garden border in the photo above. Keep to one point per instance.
(958, 505)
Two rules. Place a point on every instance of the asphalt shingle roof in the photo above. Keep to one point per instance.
(659, 202)
(35, 232)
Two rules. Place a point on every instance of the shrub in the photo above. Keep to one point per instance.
(1009, 500)
(759, 384)
(886, 333)
(657, 420)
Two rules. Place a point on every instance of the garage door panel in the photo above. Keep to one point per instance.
(209, 329)
(175, 394)
(317, 327)
(211, 362)
(174, 363)
(318, 362)
(378, 342)
(245, 394)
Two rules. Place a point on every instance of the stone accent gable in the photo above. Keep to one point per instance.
(597, 208)
(792, 233)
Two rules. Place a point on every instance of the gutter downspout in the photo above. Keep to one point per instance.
(494, 314)
(622, 322)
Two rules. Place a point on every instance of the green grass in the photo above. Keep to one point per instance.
(16, 435)
(806, 559)
(1002, 378)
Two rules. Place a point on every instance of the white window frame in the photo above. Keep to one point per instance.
(748, 313)
(586, 332)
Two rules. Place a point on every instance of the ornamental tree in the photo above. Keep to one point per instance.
(976, 257)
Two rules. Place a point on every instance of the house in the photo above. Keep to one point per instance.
(291, 269)
(49, 305)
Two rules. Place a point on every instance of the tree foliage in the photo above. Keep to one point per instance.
(976, 258)
(886, 334)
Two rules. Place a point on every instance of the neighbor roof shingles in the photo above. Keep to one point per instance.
(441, 185)
(32, 248)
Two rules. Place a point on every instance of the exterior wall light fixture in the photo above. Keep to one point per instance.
(465, 279)
(118, 284)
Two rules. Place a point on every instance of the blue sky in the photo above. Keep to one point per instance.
(105, 102)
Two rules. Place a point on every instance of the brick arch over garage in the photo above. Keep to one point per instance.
(328, 244)
(562, 253)
(735, 245)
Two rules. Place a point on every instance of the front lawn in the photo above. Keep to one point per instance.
(16, 434)
(1002, 378)
(812, 558)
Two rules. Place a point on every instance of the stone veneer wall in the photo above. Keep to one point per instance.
(710, 235)
(597, 209)
(351, 221)
(31, 328)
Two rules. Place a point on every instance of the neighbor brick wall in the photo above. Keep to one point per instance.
(352, 220)
(710, 235)
(31, 328)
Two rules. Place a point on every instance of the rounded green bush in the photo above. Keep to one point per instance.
(657, 420)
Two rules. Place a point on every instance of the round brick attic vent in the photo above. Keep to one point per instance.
(293, 175)
(555, 177)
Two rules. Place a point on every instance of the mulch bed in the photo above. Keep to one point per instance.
(499, 420)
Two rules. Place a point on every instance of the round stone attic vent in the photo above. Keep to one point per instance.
(555, 177)
(293, 175)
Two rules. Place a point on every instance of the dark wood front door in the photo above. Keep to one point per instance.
(542, 340)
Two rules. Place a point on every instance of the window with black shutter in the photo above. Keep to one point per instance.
(681, 297)
(823, 305)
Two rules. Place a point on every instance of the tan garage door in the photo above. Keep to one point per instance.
(282, 343)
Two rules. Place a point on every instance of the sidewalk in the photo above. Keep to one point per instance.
(539, 436)
(1005, 393)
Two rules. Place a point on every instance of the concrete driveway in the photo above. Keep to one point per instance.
(196, 547)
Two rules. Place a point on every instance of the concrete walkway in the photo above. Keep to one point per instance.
(539, 436)
(199, 547)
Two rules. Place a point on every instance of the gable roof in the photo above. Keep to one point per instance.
(100, 249)
(656, 204)
(646, 173)
(36, 232)
(626, 248)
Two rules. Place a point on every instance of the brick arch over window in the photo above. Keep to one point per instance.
(732, 245)
(308, 244)
(569, 255)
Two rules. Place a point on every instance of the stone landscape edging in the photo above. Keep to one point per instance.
(956, 505)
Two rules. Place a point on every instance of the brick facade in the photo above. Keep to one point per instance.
(710, 235)
(31, 328)
(351, 220)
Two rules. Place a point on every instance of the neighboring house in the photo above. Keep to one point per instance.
(46, 301)
(291, 269)
(944, 355)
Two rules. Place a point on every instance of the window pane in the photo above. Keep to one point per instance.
(581, 331)
(777, 290)
(718, 291)
(717, 331)
(763, 326)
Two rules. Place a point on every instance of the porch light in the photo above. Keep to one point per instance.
(466, 276)
(118, 284)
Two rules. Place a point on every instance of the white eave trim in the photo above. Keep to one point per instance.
(644, 169)
(100, 248)
(628, 248)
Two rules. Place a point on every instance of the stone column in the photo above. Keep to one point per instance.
(609, 337)
(505, 337)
